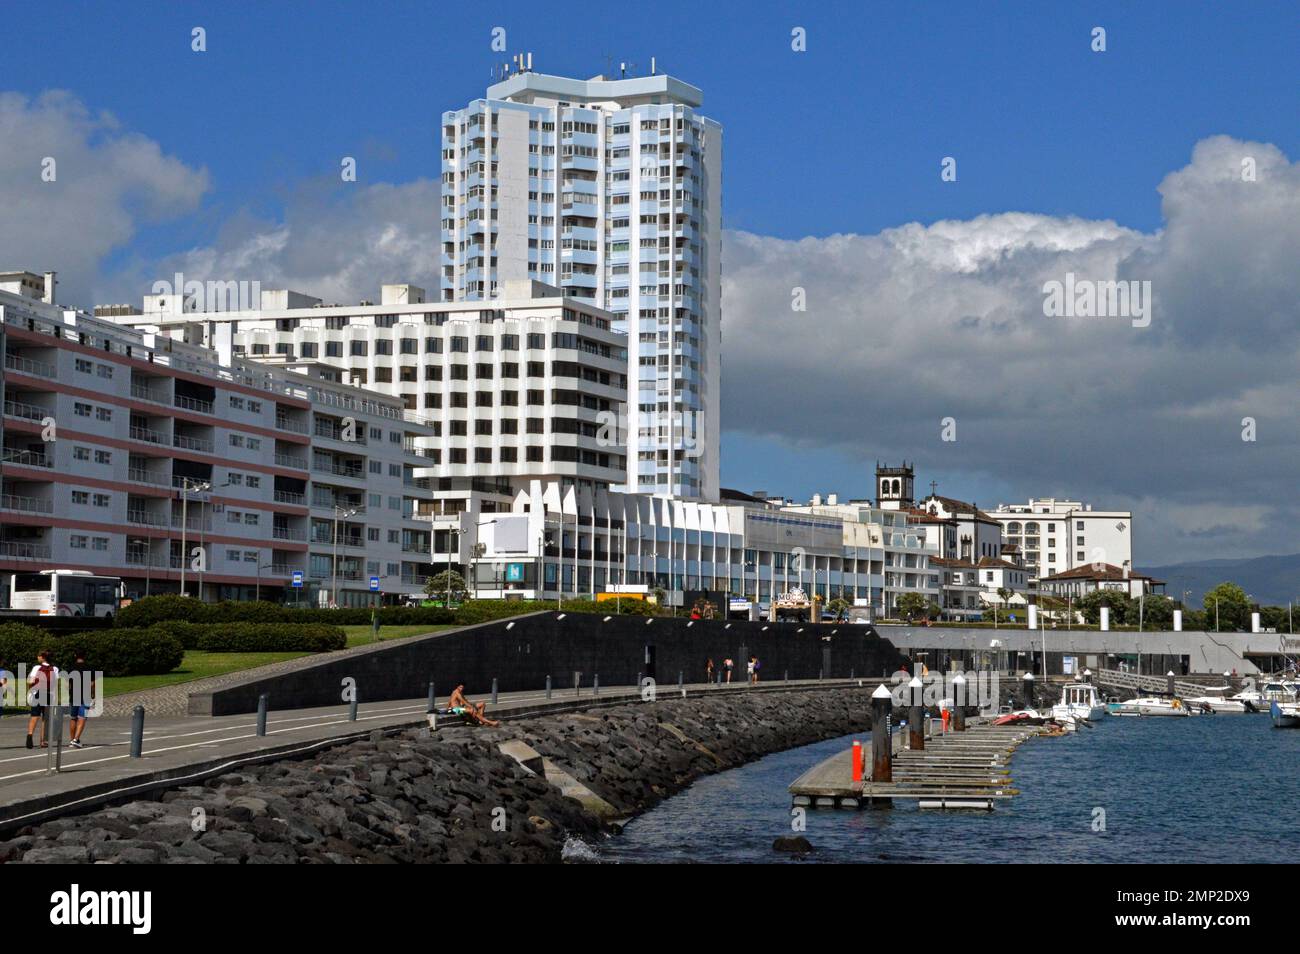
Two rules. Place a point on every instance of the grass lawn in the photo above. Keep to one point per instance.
(362, 636)
(195, 665)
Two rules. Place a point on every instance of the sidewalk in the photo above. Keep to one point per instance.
(184, 749)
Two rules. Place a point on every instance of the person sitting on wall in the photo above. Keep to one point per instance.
(461, 706)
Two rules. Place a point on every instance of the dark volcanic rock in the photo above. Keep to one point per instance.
(450, 797)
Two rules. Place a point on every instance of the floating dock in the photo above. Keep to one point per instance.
(955, 770)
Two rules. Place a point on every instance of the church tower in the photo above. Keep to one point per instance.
(894, 487)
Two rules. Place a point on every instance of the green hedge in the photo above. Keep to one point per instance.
(255, 637)
(115, 652)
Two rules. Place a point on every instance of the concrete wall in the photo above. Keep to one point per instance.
(520, 653)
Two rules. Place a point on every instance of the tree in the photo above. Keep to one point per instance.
(837, 608)
(447, 583)
(1157, 612)
(1005, 595)
(1233, 606)
(911, 605)
(1120, 604)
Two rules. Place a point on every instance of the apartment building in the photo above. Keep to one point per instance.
(529, 386)
(1055, 536)
(611, 189)
(140, 456)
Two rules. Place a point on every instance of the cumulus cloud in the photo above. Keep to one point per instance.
(337, 240)
(107, 183)
(918, 323)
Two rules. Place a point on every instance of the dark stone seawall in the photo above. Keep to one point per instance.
(520, 654)
(450, 796)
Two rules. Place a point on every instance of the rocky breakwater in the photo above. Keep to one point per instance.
(451, 795)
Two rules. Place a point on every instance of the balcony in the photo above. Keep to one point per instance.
(142, 476)
(28, 412)
(200, 444)
(288, 533)
(26, 458)
(142, 392)
(145, 519)
(194, 404)
(289, 460)
(147, 435)
(23, 365)
(20, 550)
(25, 504)
(289, 497)
(285, 424)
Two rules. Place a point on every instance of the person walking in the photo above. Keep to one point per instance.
(753, 670)
(81, 694)
(728, 665)
(6, 681)
(40, 693)
(708, 670)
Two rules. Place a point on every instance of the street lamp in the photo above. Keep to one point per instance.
(478, 553)
(257, 595)
(344, 513)
(189, 486)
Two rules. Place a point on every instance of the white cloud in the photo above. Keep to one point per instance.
(108, 183)
(918, 323)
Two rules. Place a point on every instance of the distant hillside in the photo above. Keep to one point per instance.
(1271, 580)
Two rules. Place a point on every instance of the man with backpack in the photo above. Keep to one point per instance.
(81, 694)
(40, 694)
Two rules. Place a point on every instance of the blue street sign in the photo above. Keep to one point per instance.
(514, 572)
(297, 579)
(374, 583)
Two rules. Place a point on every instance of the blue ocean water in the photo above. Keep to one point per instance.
(1216, 789)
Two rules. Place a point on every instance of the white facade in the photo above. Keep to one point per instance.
(1059, 535)
(612, 190)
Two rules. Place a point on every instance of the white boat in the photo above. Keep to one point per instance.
(1149, 706)
(1261, 698)
(1286, 715)
(1079, 700)
(1216, 704)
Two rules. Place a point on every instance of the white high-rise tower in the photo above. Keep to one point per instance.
(610, 189)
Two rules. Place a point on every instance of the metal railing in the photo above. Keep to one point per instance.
(147, 434)
(25, 504)
(289, 497)
(288, 460)
(144, 393)
(193, 404)
(288, 533)
(27, 458)
(142, 476)
(30, 412)
(146, 519)
(193, 443)
(18, 550)
(285, 424)
(18, 363)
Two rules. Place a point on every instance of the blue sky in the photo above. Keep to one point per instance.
(846, 137)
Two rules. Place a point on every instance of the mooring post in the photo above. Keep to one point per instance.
(577, 683)
(916, 715)
(56, 746)
(262, 702)
(857, 761)
(353, 703)
(137, 731)
(433, 700)
(959, 703)
(595, 684)
(548, 685)
(681, 679)
(787, 675)
(494, 690)
(1028, 682)
(882, 705)
(1169, 682)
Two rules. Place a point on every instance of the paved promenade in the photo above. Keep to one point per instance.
(183, 749)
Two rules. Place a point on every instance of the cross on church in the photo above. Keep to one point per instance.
(933, 486)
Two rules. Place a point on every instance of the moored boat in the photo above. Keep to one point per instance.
(1286, 715)
(1079, 701)
(1149, 706)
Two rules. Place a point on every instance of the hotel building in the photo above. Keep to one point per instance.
(610, 189)
(1059, 535)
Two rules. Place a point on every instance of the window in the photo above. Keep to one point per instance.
(81, 497)
(77, 541)
(459, 344)
(359, 349)
(100, 544)
(83, 366)
(383, 346)
(81, 410)
(102, 500)
(410, 346)
(333, 349)
(103, 457)
(81, 453)
(103, 414)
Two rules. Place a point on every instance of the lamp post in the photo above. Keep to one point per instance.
(478, 553)
(189, 486)
(257, 595)
(344, 513)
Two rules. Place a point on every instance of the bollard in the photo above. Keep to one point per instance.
(681, 679)
(959, 703)
(857, 761)
(882, 704)
(352, 707)
(916, 715)
(1169, 683)
(45, 737)
(56, 745)
(263, 701)
(433, 700)
(494, 690)
(1028, 682)
(821, 674)
(548, 685)
(577, 683)
(595, 684)
(137, 731)
(787, 675)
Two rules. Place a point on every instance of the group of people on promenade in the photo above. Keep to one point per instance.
(43, 693)
(728, 666)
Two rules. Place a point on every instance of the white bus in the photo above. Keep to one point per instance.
(65, 593)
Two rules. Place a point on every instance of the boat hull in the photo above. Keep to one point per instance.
(1285, 716)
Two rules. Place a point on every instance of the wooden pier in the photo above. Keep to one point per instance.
(955, 770)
